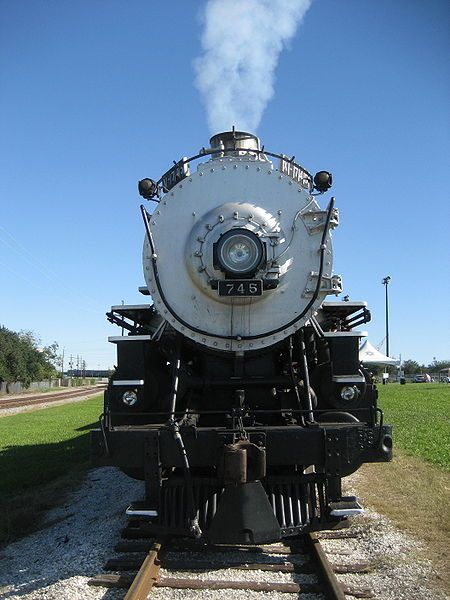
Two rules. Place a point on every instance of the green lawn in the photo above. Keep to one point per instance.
(38, 446)
(43, 456)
(420, 413)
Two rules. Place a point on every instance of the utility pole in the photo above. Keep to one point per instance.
(70, 369)
(385, 282)
(62, 364)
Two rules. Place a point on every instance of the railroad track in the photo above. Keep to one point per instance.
(296, 567)
(32, 399)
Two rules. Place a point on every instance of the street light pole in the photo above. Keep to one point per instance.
(385, 282)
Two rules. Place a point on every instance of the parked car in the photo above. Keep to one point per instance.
(420, 379)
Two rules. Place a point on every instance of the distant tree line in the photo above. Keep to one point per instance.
(412, 367)
(21, 359)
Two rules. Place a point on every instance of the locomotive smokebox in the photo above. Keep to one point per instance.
(236, 224)
(233, 142)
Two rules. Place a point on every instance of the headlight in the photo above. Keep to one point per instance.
(349, 393)
(129, 398)
(239, 252)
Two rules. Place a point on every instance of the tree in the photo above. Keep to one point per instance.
(438, 365)
(411, 366)
(22, 361)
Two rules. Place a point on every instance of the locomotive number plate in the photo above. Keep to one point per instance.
(240, 287)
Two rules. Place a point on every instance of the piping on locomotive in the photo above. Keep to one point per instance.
(238, 397)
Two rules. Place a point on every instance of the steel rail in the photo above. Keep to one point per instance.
(332, 587)
(146, 577)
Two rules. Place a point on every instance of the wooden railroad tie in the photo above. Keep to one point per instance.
(148, 569)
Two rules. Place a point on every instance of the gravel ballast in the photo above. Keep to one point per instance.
(57, 562)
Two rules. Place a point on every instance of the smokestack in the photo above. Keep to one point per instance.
(233, 142)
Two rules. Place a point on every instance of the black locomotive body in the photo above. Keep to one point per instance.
(240, 401)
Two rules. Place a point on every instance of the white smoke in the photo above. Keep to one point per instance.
(241, 41)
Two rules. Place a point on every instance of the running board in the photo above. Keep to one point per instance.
(348, 506)
(141, 509)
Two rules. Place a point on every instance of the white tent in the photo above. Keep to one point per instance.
(369, 355)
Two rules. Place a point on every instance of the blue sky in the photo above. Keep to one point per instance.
(98, 94)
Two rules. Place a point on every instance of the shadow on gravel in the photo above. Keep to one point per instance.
(36, 478)
(76, 540)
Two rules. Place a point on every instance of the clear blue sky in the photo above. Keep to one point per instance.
(98, 94)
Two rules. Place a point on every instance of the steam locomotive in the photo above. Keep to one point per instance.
(238, 397)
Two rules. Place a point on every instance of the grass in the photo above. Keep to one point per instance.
(415, 496)
(414, 489)
(43, 454)
(420, 413)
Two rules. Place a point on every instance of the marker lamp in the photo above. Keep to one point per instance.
(349, 393)
(129, 398)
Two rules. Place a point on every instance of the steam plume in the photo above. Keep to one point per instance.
(241, 42)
